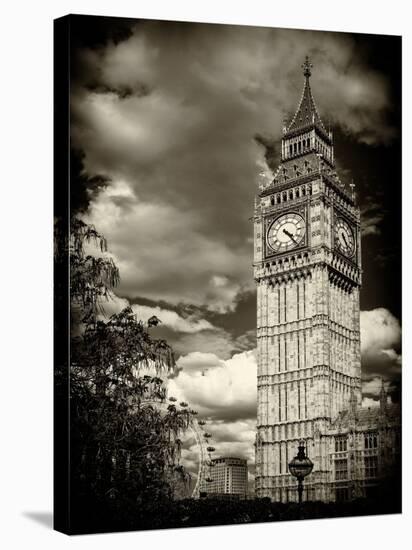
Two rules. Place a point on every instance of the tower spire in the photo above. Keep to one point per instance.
(306, 113)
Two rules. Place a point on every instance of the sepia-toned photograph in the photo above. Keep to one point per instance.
(227, 274)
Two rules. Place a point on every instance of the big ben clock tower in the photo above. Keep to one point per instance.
(308, 275)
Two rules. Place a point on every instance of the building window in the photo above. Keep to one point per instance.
(280, 405)
(304, 349)
(279, 310)
(286, 353)
(280, 458)
(371, 440)
(306, 400)
(371, 466)
(341, 444)
(341, 469)
(304, 298)
(286, 403)
(279, 354)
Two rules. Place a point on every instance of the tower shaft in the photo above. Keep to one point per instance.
(307, 271)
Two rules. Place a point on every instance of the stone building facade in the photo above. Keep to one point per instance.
(363, 449)
(229, 477)
(307, 268)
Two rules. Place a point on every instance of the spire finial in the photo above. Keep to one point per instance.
(307, 66)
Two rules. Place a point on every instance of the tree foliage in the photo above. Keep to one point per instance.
(123, 447)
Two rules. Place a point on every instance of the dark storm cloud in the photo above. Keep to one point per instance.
(83, 187)
(372, 214)
(170, 114)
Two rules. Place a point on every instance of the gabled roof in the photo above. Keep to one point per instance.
(306, 113)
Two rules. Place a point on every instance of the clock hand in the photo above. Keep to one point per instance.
(286, 232)
(344, 238)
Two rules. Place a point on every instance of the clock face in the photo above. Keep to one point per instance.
(286, 232)
(344, 239)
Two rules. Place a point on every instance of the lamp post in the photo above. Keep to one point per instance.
(300, 467)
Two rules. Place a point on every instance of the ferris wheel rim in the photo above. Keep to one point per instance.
(197, 430)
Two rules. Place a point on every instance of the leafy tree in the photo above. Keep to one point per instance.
(124, 449)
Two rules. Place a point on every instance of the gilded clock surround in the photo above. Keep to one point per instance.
(273, 217)
(344, 238)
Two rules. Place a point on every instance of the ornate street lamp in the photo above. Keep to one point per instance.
(300, 467)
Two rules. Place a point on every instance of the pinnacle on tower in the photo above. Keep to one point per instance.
(353, 403)
(383, 397)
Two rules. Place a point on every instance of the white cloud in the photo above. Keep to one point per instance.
(217, 342)
(380, 343)
(189, 335)
(216, 388)
(114, 305)
(372, 386)
(393, 356)
(380, 330)
(171, 319)
(199, 362)
(369, 402)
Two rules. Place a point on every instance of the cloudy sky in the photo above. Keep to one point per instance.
(171, 125)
